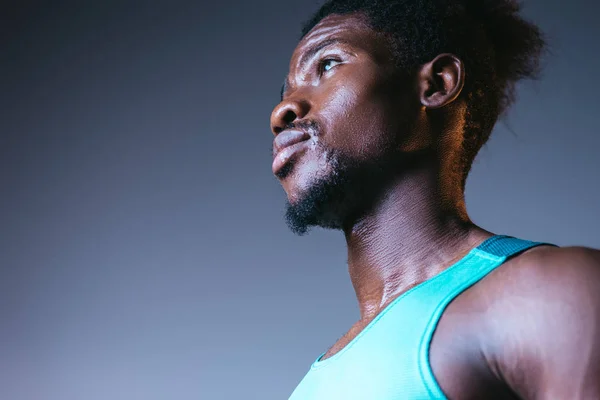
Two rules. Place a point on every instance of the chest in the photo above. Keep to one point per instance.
(383, 360)
(429, 343)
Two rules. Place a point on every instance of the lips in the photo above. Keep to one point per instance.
(285, 147)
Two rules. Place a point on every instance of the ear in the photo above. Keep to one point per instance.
(441, 80)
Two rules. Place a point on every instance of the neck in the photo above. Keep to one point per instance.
(416, 230)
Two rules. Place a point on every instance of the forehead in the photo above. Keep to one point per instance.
(349, 28)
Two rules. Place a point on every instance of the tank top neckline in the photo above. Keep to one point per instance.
(318, 363)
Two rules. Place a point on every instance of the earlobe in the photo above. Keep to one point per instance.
(441, 81)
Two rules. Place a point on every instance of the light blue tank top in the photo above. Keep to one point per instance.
(389, 358)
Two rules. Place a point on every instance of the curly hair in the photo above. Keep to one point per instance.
(496, 45)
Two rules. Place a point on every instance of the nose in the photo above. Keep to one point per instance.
(287, 112)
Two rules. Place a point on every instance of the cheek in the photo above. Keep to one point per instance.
(358, 120)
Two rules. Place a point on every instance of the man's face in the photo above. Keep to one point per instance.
(344, 115)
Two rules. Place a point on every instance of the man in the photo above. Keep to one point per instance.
(383, 110)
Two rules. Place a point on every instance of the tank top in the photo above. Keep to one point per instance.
(389, 358)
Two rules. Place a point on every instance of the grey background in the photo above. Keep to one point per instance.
(143, 254)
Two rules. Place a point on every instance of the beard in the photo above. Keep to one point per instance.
(350, 189)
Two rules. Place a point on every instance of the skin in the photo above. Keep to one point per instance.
(531, 328)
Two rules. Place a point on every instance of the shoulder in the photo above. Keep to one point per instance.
(549, 259)
(544, 272)
(551, 271)
(543, 322)
(550, 279)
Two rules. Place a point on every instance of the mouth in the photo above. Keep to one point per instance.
(287, 146)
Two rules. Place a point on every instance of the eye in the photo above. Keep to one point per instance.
(327, 64)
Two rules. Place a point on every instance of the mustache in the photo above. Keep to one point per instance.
(310, 126)
(313, 128)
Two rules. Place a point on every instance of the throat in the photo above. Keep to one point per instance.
(380, 302)
(392, 253)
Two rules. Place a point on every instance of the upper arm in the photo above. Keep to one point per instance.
(546, 328)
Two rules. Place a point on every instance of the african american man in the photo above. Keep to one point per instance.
(385, 106)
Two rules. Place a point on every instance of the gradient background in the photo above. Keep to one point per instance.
(143, 254)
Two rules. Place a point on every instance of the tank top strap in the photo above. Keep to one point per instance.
(445, 287)
(505, 246)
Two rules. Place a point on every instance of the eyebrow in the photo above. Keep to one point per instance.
(310, 53)
(318, 47)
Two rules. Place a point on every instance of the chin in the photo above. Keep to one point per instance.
(322, 200)
(335, 196)
(303, 180)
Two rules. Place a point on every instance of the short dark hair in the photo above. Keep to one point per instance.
(497, 46)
